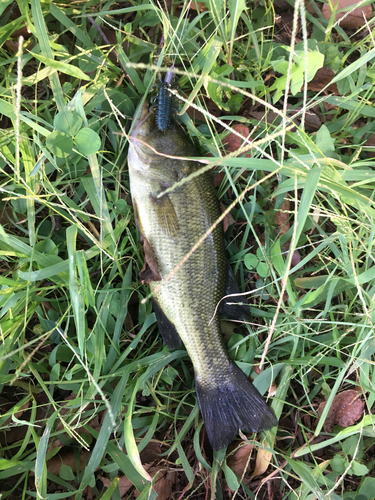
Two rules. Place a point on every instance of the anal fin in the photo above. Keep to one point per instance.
(234, 307)
(167, 328)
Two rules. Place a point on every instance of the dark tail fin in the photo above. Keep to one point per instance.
(231, 404)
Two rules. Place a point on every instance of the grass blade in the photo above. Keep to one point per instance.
(41, 34)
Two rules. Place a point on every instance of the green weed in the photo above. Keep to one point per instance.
(87, 387)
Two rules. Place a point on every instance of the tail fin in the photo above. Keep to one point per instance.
(231, 404)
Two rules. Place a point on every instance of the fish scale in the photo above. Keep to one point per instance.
(204, 267)
(185, 304)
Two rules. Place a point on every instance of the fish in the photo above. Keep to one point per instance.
(185, 297)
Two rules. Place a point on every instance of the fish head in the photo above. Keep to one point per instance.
(151, 151)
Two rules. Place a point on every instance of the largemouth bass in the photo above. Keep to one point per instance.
(185, 303)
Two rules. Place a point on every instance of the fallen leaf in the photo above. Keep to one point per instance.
(282, 216)
(54, 465)
(264, 116)
(280, 5)
(310, 7)
(218, 178)
(233, 142)
(322, 78)
(345, 410)
(262, 463)
(239, 461)
(272, 388)
(93, 422)
(12, 45)
(18, 413)
(129, 324)
(228, 219)
(163, 486)
(149, 271)
(151, 452)
(370, 143)
(78, 430)
(352, 20)
(312, 121)
(124, 484)
(296, 258)
(316, 216)
(209, 106)
(198, 6)
(88, 493)
(329, 107)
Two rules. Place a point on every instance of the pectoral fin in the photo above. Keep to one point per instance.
(149, 271)
(167, 328)
(234, 307)
(136, 217)
(166, 215)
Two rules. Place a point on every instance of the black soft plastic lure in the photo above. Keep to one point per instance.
(164, 103)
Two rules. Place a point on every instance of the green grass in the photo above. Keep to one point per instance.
(82, 366)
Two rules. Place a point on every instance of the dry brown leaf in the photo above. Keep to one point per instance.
(164, 482)
(218, 178)
(150, 453)
(262, 463)
(18, 413)
(163, 485)
(12, 45)
(329, 107)
(54, 465)
(199, 6)
(310, 7)
(322, 78)
(280, 5)
(272, 388)
(228, 219)
(129, 324)
(316, 217)
(282, 216)
(15, 432)
(149, 271)
(79, 430)
(312, 121)
(209, 106)
(353, 20)
(264, 116)
(239, 461)
(88, 493)
(124, 484)
(345, 410)
(296, 258)
(94, 422)
(232, 141)
(371, 143)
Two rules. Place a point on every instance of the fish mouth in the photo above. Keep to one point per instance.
(144, 124)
